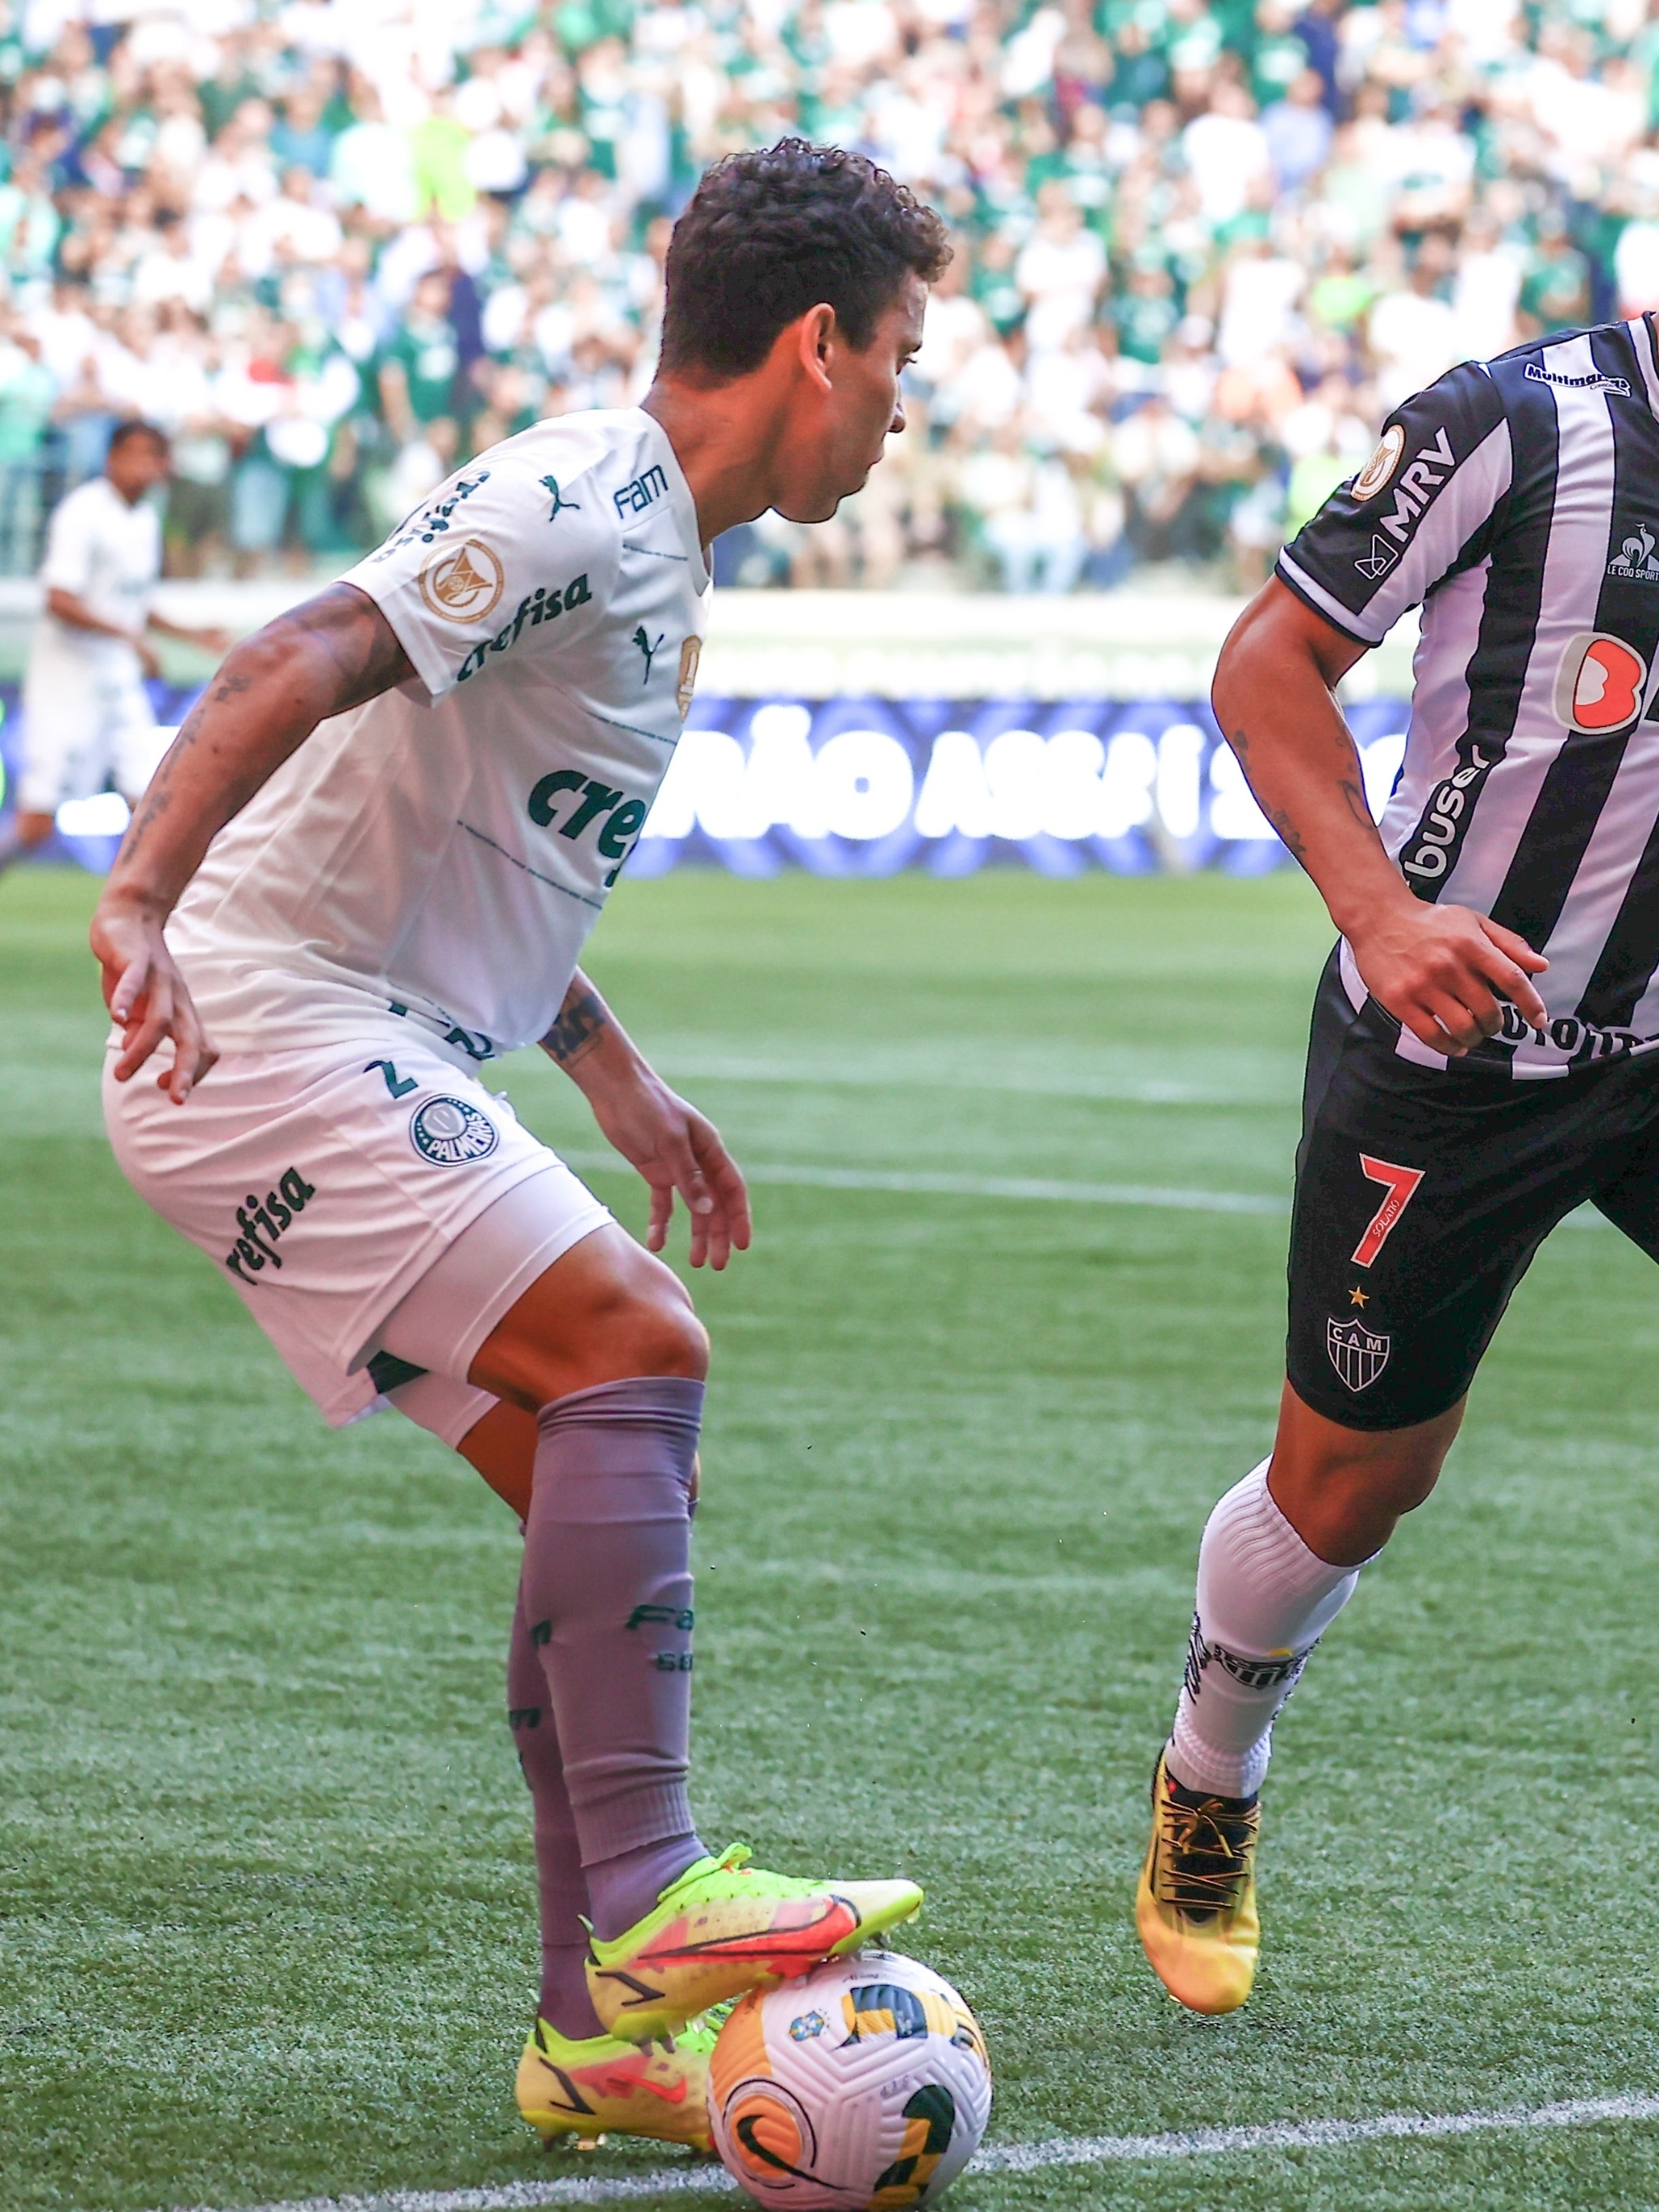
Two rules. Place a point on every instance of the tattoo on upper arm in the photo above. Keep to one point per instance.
(577, 1029)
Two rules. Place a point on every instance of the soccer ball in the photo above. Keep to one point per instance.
(864, 2084)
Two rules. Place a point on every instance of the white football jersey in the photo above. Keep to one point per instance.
(440, 855)
(109, 555)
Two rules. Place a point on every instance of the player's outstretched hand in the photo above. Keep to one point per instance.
(148, 998)
(1443, 971)
(676, 1148)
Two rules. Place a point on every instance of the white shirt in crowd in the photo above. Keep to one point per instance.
(437, 857)
(109, 555)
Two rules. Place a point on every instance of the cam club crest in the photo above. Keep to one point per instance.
(451, 1134)
(1358, 1353)
(463, 583)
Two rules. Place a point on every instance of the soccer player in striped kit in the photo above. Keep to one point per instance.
(1482, 1057)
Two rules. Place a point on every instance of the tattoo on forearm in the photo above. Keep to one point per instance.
(577, 1029)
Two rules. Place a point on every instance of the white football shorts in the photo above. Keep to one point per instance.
(87, 722)
(329, 1185)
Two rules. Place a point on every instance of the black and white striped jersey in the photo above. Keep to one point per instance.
(1518, 500)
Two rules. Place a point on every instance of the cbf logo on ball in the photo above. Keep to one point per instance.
(452, 1133)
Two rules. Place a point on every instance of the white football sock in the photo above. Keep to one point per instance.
(1264, 1600)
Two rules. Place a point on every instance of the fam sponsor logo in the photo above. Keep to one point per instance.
(1592, 380)
(1634, 559)
(1439, 831)
(1417, 486)
(452, 1133)
(464, 583)
(265, 1221)
(1358, 1353)
(432, 522)
(545, 603)
(599, 803)
(1599, 682)
(644, 491)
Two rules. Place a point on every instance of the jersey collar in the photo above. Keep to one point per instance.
(1646, 346)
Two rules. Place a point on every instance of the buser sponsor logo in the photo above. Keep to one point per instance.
(1439, 831)
(264, 1222)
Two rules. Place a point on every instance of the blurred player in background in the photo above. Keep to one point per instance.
(1484, 1051)
(88, 721)
(387, 830)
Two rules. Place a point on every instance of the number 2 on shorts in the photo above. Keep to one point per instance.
(1402, 1184)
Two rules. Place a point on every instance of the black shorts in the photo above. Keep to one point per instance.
(1421, 1196)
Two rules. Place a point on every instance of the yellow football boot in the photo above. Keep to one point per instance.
(725, 1927)
(1196, 1907)
(579, 2092)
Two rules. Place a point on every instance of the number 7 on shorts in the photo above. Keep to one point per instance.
(1402, 1183)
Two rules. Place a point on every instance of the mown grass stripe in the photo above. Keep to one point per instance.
(1020, 2158)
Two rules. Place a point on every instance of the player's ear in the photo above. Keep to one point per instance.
(817, 337)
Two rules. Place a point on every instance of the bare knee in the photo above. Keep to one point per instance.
(604, 1312)
(654, 1330)
(1343, 1490)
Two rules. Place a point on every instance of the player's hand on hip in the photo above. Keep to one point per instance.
(148, 998)
(677, 1149)
(1445, 971)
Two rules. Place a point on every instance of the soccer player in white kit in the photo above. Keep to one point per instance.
(86, 719)
(368, 866)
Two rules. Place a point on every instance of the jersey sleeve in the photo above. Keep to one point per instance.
(68, 564)
(1421, 508)
(480, 573)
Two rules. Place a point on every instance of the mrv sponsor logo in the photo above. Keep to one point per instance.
(1417, 486)
(451, 1134)
(265, 1221)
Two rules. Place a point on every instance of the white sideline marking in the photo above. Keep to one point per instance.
(1013, 2158)
(968, 1186)
(1025, 1187)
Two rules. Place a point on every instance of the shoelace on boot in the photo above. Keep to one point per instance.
(1204, 1854)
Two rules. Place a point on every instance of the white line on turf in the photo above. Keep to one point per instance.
(968, 1186)
(1015, 1187)
(1017, 2157)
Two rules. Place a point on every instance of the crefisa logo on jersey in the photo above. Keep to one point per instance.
(1358, 1353)
(451, 1134)
(1600, 684)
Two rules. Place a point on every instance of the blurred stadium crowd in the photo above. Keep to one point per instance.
(337, 246)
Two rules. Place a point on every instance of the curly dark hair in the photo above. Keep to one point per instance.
(770, 234)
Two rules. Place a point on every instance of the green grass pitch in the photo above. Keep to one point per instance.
(266, 1896)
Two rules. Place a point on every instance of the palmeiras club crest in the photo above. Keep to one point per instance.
(1358, 1353)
